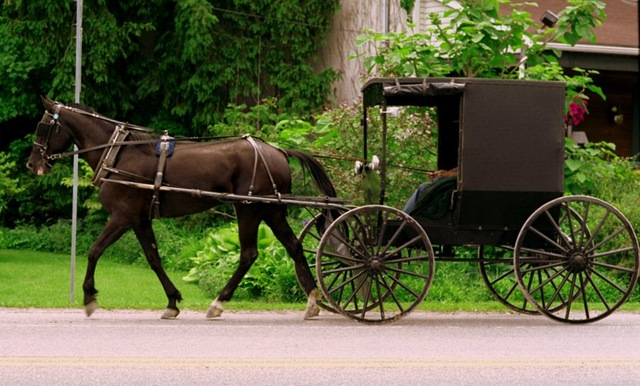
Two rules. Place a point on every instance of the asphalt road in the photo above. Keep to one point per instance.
(63, 347)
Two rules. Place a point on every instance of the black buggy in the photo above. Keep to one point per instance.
(572, 258)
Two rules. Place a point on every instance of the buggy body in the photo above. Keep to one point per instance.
(507, 139)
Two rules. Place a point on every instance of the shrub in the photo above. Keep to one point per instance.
(271, 277)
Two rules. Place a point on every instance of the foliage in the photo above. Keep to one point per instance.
(482, 39)
(8, 185)
(172, 65)
(578, 20)
(409, 138)
(337, 138)
(34, 200)
(594, 169)
(271, 277)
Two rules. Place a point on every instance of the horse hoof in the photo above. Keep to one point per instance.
(312, 312)
(214, 312)
(170, 313)
(90, 308)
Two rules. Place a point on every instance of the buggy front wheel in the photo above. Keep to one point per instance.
(374, 264)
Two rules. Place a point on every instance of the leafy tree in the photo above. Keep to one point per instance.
(488, 39)
(171, 64)
(174, 65)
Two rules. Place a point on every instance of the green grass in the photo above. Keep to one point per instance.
(41, 280)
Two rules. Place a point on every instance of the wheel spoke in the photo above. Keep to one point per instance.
(598, 292)
(403, 285)
(405, 272)
(613, 267)
(402, 259)
(537, 267)
(596, 230)
(590, 277)
(498, 274)
(606, 239)
(558, 231)
(342, 269)
(352, 277)
(390, 290)
(585, 303)
(403, 246)
(607, 280)
(380, 278)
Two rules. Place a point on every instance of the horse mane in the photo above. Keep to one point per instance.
(82, 107)
(149, 148)
(134, 135)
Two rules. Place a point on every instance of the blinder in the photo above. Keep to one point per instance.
(44, 128)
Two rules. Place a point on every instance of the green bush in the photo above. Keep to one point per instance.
(271, 277)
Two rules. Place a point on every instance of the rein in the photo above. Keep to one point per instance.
(56, 116)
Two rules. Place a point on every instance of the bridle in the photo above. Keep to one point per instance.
(43, 133)
(45, 128)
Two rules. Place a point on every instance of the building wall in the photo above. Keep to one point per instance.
(353, 18)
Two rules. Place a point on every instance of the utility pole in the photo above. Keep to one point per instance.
(74, 214)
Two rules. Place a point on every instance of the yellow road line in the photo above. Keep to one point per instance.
(31, 361)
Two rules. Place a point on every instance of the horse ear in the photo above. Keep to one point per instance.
(46, 101)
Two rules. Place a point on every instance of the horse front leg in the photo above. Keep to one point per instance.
(110, 234)
(147, 239)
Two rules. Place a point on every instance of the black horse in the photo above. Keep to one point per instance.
(239, 166)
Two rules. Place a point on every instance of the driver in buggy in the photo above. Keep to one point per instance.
(432, 198)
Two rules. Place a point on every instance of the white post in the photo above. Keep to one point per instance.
(74, 214)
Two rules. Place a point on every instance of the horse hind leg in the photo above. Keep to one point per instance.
(277, 221)
(147, 239)
(248, 222)
(248, 256)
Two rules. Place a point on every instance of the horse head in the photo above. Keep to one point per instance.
(51, 139)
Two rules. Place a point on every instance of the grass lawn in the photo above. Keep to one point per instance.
(41, 280)
(34, 279)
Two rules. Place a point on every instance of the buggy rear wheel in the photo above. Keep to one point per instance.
(374, 264)
(583, 256)
(498, 274)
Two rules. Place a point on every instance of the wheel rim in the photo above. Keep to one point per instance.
(498, 274)
(310, 238)
(374, 264)
(583, 254)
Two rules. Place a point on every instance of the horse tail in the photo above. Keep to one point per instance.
(319, 175)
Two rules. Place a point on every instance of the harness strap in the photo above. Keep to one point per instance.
(110, 154)
(164, 146)
(258, 153)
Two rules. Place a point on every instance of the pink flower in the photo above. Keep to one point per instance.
(577, 111)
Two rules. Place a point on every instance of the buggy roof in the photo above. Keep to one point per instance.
(427, 91)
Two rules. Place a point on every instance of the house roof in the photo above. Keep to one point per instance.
(620, 29)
